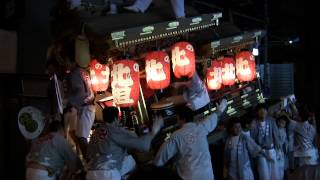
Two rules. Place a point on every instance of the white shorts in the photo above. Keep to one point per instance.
(38, 174)
(113, 174)
(85, 122)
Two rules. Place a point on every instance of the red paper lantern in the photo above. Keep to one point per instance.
(246, 66)
(146, 91)
(183, 60)
(108, 104)
(214, 76)
(125, 83)
(228, 71)
(99, 74)
(158, 70)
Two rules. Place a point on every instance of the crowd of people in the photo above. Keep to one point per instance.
(105, 155)
(266, 148)
(276, 145)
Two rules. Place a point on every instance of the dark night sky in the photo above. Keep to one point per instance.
(286, 23)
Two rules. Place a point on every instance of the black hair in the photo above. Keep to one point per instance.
(185, 113)
(232, 122)
(284, 117)
(246, 119)
(110, 114)
(261, 106)
(304, 112)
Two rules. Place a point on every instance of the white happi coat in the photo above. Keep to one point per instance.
(304, 142)
(190, 147)
(107, 151)
(266, 134)
(53, 151)
(238, 150)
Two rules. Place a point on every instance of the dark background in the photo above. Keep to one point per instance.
(286, 21)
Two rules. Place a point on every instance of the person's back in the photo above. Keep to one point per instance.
(103, 152)
(304, 151)
(107, 150)
(189, 147)
(304, 135)
(53, 152)
(193, 156)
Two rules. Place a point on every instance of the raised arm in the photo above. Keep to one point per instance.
(210, 122)
(131, 141)
(166, 152)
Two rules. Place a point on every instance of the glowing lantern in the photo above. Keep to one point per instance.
(228, 71)
(99, 74)
(108, 103)
(246, 66)
(183, 60)
(146, 91)
(214, 73)
(125, 83)
(158, 70)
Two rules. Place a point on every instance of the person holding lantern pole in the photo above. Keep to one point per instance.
(190, 145)
(81, 97)
(107, 150)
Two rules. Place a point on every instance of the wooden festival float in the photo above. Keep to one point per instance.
(142, 62)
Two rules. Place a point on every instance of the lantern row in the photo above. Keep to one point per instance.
(125, 80)
(225, 70)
